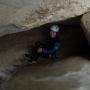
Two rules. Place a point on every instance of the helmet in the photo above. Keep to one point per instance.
(54, 28)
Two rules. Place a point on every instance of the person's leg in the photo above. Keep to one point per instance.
(33, 55)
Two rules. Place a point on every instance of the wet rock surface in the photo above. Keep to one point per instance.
(33, 13)
(86, 25)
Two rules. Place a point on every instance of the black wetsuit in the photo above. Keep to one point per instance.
(49, 47)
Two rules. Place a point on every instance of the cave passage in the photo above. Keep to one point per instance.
(73, 41)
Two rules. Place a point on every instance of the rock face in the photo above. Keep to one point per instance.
(33, 13)
(86, 25)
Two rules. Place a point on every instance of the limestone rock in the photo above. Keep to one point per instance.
(33, 13)
(86, 25)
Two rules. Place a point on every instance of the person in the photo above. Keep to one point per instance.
(47, 48)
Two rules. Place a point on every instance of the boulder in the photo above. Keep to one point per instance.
(86, 25)
(27, 14)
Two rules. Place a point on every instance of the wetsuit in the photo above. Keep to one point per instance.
(49, 47)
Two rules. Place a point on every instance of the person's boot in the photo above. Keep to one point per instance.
(30, 61)
(33, 59)
(27, 56)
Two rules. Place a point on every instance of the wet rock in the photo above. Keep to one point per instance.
(27, 14)
(86, 25)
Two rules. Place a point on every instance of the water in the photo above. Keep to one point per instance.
(70, 75)
(82, 76)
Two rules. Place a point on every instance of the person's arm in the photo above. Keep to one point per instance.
(51, 50)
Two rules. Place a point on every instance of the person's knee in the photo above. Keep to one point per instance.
(39, 50)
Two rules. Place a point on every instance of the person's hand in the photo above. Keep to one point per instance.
(39, 50)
